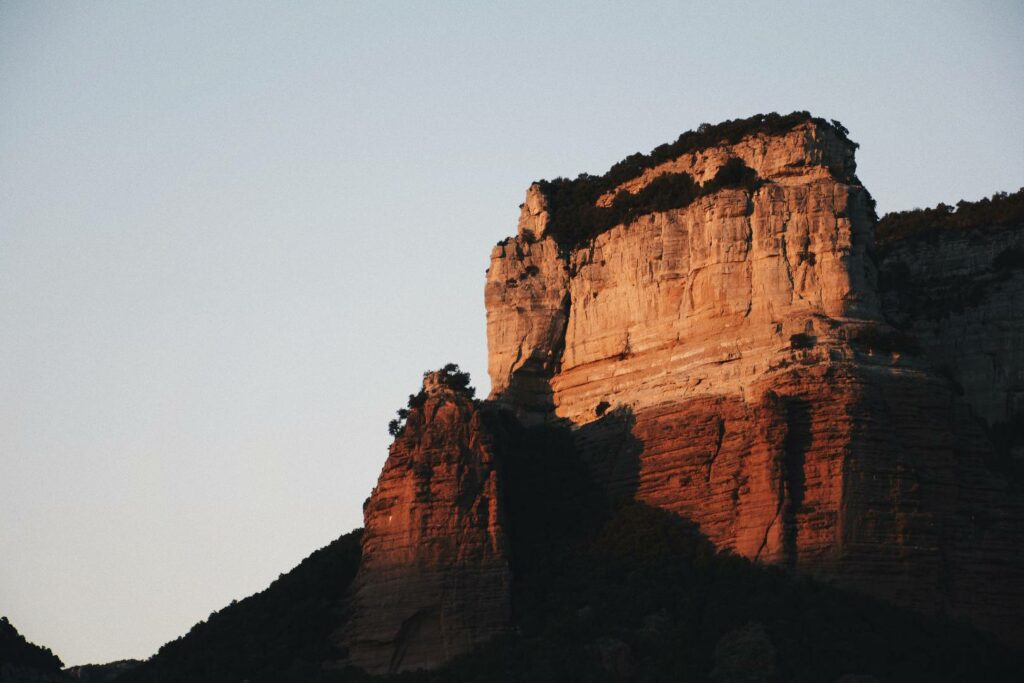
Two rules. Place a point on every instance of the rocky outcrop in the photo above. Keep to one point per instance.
(728, 360)
(434, 577)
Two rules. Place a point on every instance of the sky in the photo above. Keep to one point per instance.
(234, 235)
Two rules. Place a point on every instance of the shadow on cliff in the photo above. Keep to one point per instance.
(794, 450)
(608, 589)
(561, 484)
(611, 452)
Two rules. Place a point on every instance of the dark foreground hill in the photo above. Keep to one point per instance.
(280, 634)
(18, 656)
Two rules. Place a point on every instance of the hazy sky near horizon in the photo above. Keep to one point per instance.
(233, 236)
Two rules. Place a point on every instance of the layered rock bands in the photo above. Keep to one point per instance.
(732, 363)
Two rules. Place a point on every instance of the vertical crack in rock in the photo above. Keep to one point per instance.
(718, 449)
(794, 479)
(768, 529)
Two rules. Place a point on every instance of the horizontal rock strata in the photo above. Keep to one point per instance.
(728, 360)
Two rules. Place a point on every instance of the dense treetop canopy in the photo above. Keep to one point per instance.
(1000, 209)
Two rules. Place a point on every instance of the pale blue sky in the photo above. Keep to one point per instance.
(233, 235)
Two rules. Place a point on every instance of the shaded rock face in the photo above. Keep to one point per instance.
(434, 577)
(729, 361)
(961, 294)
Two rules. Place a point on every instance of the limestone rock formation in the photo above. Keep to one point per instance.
(692, 353)
(728, 360)
(434, 577)
(528, 297)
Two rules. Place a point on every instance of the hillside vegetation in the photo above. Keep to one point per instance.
(279, 635)
(15, 650)
(1001, 209)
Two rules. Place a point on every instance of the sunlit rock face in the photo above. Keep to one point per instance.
(434, 578)
(731, 363)
(710, 293)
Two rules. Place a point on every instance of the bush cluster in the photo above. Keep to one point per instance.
(708, 135)
(878, 339)
(571, 202)
(576, 218)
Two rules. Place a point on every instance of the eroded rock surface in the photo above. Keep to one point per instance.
(434, 577)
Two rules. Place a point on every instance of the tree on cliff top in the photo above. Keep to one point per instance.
(449, 375)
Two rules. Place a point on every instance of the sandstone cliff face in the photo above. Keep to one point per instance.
(729, 361)
(528, 285)
(434, 577)
(705, 295)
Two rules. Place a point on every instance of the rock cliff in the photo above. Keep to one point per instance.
(434, 579)
(702, 331)
(704, 353)
(960, 293)
(727, 359)
(687, 301)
